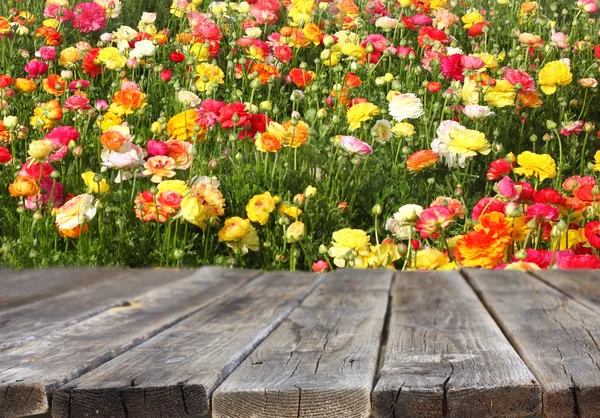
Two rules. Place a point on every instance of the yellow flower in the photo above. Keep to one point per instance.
(468, 142)
(596, 166)
(200, 51)
(239, 234)
(39, 150)
(469, 92)
(355, 51)
(51, 23)
(295, 232)
(538, 165)
(69, 56)
(289, 210)
(75, 212)
(489, 60)
(555, 73)
(181, 126)
(193, 211)
(438, 4)
(350, 245)
(112, 58)
(500, 95)
(304, 6)
(431, 259)
(361, 112)
(383, 256)
(573, 236)
(471, 19)
(208, 74)
(177, 186)
(260, 207)
(109, 120)
(403, 129)
(94, 186)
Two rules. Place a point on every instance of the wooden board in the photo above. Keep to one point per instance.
(174, 374)
(557, 338)
(446, 357)
(90, 295)
(321, 361)
(581, 285)
(28, 374)
(18, 288)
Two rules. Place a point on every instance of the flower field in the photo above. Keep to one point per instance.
(407, 134)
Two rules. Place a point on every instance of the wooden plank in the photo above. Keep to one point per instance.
(555, 336)
(28, 374)
(21, 287)
(583, 285)
(23, 324)
(175, 373)
(321, 361)
(446, 357)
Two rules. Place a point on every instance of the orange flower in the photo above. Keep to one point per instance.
(4, 26)
(73, 232)
(125, 102)
(352, 80)
(179, 151)
(300, 77)
(53, 37)
(46, 115)
(147, 210)
(25, 85)
(159, 166)
(486, 245)
(295, 135)
(420, 160)
(23, 186)
(265, 72)
(54, 85)
(112, 140)
(527, 99)
(268, 142)
(312, 33)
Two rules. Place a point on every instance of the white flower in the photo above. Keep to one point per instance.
(148, 18)
(382, 130)
(402, 232)
(477, 111)
(453, 51)
(144, 48)
(406, 106)
(440, 144)
(408, 214)
(253, 32)
(75, 212)
(188, 99)
(385, 22)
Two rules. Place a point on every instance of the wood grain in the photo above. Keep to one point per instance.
(321, 361)
(28, 374)
(174, 374)
(445, 356)
(93, 291)
(556, 337)
(582, 285)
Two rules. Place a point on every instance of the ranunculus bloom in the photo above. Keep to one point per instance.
(592, 233)
(89, 17)
(487, 205)
(354, 145)
(579, 262)
(542, 166)
(5, 155)
(75, 212)
(542, 212)
(507, 189)
(406, 106)
(421, 159)
(433, 219)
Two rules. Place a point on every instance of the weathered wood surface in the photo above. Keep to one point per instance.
(446, 357)
(175, 373)
(321, 361)
(557, 337)
(581, 285)
(93, 295)
(18, 288)
(28, 374)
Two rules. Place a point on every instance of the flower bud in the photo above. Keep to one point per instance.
(377, 209)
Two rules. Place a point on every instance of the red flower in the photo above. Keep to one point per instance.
(89, 67)
(283, 53)
(433, 87)
(226, 115)
(5, 81)
(431, 34)
(476, 29)
(597, 51)
(5, 156)
(177, 57)
(452, 67)
(166, 75)
(499, 168)
(579, 262)
(584, 192)
(527, 191)
(300, 77)
(592, 233)
(548, 195)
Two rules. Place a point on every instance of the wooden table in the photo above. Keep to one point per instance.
(238, 343)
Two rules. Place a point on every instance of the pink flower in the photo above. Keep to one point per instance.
(542, 212)
(355, 145)
(47, 53)
(57, 12)
(573, 182)
(130, 85)
(36, 170)
(579, 262)
(452, 67)
(78, 85)
(60, 137)
(54, 192)
(487, 205)
(589, 6)
(405, 50)
(89, 17)
(422, 20)
(35, 68)
(320, 266)
(433, 219)
(507, 189)
(560, 39)
(156, 148)
(572, 128)
(77, 103)
(515, 77)
(472, 63)
(266, 11)
(208, 112)
(101, 105)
